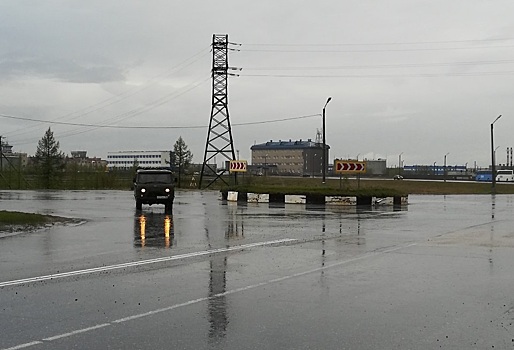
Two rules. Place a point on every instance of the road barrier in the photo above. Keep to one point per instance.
(244, 197)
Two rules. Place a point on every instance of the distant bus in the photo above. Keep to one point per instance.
(505, 175)
(484, 175)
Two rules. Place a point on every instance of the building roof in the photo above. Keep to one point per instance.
(300, 144)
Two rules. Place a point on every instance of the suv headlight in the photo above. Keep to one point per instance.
(143, 190)
(167, 190)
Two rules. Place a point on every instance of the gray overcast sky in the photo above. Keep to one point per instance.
(425, 78)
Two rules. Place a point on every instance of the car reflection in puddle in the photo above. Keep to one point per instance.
(153, 230)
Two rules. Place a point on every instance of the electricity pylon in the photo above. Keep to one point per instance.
(219, 136)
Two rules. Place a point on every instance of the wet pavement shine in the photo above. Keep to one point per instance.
(438, 273)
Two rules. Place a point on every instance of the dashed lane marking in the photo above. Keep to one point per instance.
(142, 262)
(199, 300)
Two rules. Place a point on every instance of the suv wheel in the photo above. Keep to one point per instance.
(139, 204)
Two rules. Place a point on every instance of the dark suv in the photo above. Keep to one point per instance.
(154, 186)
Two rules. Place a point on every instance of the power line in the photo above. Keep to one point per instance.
(419, 75)
(98, 125)
(149, 83)
(153, 127)
(468, 41)
(382, 50)
(130, 92)
(117, 118)
(379, 66)
(277, 120)
(135, 112)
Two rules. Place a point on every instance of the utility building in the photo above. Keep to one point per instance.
(10, 159)
(80, 158)
(299, 158)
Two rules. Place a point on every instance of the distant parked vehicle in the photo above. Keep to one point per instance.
(397, 177)
(484, 175)
(505, 175)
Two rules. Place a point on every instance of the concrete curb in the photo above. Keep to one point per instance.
(243, 197)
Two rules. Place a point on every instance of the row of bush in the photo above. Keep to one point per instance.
(77, 180)
(66, 180)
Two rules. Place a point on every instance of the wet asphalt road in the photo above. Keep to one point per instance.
(438, 274)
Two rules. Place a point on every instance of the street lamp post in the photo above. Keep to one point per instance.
(400, 163)
(1, 154)
(324, 151)
(495, 149)
(444, 170)
(493, 165)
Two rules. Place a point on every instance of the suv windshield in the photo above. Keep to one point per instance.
(145, 178)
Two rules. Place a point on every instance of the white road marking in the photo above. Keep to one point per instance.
(195, 301)
(23, 346)
(78, 331)
(142, 262)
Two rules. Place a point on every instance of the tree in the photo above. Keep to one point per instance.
(49, 159)
(183, 157)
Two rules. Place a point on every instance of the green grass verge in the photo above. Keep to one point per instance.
(364, 187)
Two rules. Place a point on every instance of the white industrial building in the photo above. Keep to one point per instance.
(148, 159)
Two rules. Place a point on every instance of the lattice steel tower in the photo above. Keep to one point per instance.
(219, 135)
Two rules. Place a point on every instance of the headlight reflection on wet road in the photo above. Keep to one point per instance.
(154, 230)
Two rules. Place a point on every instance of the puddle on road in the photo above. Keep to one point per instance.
(479, 235)
(153, 230)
